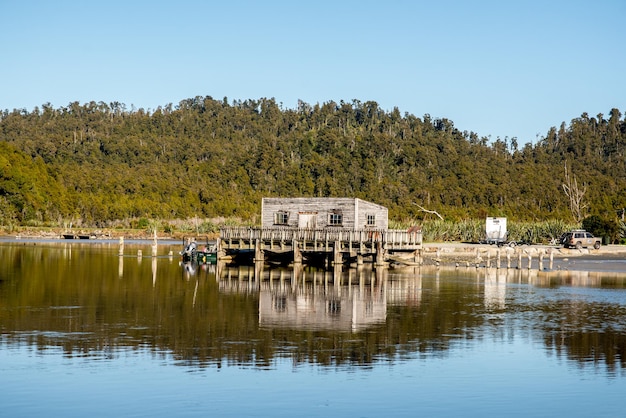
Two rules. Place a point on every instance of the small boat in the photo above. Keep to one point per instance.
(206, 257)
(78, 236)
(203, 256)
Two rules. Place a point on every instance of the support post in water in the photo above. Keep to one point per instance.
(154, 245)
(297, 254)
(551, 259)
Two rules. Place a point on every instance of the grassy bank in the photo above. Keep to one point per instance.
(433, 230)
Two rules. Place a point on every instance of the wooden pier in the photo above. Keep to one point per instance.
(332, 245)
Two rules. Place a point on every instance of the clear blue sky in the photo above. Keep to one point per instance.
(498, 68)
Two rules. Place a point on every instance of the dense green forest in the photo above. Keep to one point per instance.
(94, 164)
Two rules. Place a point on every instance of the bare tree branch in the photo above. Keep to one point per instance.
(575, 195)
(428, 211)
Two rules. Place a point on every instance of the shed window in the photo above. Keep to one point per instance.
(281, 218)
(371, 220)
(335, 219)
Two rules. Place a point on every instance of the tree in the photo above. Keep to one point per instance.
(575, 195)
(607, 229)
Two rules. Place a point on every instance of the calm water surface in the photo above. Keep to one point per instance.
(84, 332)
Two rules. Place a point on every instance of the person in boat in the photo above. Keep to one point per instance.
(190, 248)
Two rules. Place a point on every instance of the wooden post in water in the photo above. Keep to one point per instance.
(541, 260)
(154, 244)
(551, 259)
(220, 252)
(380, 256)
(121, 253)
(258, 253)
(417, 257)
(508, 259)
(530, 260)
(297, 254)
(519, 259)
(337, 259)
(498, 258)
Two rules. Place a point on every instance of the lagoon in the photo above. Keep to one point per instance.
(84, 331)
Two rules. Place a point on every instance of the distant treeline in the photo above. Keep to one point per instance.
(95, 163)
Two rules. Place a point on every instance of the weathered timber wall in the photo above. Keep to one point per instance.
(316, 213)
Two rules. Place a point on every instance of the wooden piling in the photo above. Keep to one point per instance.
(297, 254)
(258, 251)
(154, 245)
(337, 258)
(551, 259)
(417, 257)
(380, 255)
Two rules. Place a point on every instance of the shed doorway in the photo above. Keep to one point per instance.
(307, 220)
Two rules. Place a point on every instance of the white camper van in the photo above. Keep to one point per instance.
(496, 232)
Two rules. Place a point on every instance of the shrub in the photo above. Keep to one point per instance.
(608, 229)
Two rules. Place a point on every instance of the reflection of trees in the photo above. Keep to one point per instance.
(588, 331)
(607, 347)
(82, 303)
(90, 302)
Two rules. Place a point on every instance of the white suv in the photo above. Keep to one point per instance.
(579, 238)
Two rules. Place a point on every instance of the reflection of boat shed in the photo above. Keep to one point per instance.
(312, 213)
(333, 230)
(311, 299)
(347, 311)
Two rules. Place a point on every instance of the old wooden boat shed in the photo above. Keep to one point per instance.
(313, 213)
(333, 230)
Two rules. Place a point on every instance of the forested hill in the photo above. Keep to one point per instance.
(96, 162)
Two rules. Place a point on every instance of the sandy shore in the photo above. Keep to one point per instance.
(609, 258)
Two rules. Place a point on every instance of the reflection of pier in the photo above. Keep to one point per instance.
(582, 279)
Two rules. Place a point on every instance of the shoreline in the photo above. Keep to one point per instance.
(96, 234)
(608, 258)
